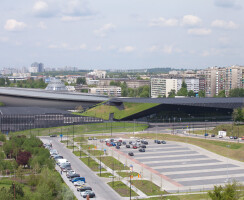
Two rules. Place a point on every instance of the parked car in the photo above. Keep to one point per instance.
(65, 169)
(158, 142)
(206, 134)
(231, 137)
(130, 142)
(124, 143)
(163, 142)
(117, 147)
(142, 150)
(220, 136)
(53, 135)
(235, 137)
(82, 189)
(127, 146)
(242, 138)
(145, 142)
(213, 135)
(143, 146)
(69, 173)
(134, 147)
(89, 138)
(86, 193)
(79, 183)
(155, 141)
(131, 154)
(94, 138)
(74, 176)
(78, 179)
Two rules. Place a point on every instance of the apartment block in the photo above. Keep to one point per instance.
(161, 86)
(192, 84)
(106, 90)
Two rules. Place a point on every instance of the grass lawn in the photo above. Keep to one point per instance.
(71, 147)
(96, 152)
(78, 153)
(85, 129)
(92, 164)
(103, 111)
(182, 197)
(127, 174)
(105, 175)
(80, 139)
(122, 189)
(148, 187)
(234, 151)
(226, 127)
(113, 163)
(89, 146)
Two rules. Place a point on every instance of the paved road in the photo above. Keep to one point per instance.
(101, 189)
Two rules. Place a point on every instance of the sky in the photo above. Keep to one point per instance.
(128, 34)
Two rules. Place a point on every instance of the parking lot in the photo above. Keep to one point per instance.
(187, 166)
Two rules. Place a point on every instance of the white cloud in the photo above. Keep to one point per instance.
(42, 25)
(53, 46)
(199, 31)
(153, 48)
(127, 49)
(83, 46)
(102, 32)
(191, 20)
(224, 24)
(164, 22)
(41, 9)
(14, 25)
(3, 39)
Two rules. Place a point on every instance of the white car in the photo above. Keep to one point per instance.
(220, 136)
(85, 193)
(79, 183)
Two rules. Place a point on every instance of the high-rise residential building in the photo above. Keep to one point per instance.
(36, 67)
(192, 84)
(234, 78)
(162, 87)
(220, 78)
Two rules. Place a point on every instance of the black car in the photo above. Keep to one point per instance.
(235, 137)
(130, 142)
(131, 154)
(163, 142)
(89, 138)
(212, 135)
(84, 189)
(155, 141)
(117, 147)
(118, 143)
(142, 150)
(74, 176)
(127, 146)
(145, 142)
(124, 143)
(53, 135)
(158, 142)
(143, 146)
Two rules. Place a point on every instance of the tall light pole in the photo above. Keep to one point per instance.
(73, 137)
(111, 130)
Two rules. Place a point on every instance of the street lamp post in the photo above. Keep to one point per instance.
(111, 130)
(73, 137)
(131, 170)
(100, 165)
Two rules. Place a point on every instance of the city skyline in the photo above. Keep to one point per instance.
(129, 34)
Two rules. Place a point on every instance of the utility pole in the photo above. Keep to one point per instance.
(100, 165)
(111, 130)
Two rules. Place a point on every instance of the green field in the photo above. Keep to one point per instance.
(113, 164)
(103, 111)
(85, 129)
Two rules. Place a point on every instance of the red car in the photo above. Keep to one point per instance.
(134, 147)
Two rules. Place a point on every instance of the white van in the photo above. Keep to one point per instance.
(61, 161)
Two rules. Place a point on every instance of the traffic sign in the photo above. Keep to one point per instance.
(61, 135)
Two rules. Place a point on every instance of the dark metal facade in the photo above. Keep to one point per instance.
(18, 122)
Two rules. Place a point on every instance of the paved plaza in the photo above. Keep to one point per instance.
(185, 167)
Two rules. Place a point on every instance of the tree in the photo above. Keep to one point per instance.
(191, 93)
(230, 191)
(201, 93)
(23, 158)
(4, 194)
(81, 81)
(183, 90)
(171, 94)
(17, 190)
(221, 94)
(237, 92)
(238, 115)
